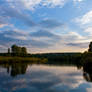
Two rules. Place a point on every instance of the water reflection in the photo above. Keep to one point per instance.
(87, 71)
(16, 68)
(19, 68)
(42, 78)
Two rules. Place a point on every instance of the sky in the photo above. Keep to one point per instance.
(45, 26)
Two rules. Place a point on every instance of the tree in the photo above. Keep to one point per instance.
(90, 47)
(23, 51)
(9, 51)
(13, 48)
(18, 51)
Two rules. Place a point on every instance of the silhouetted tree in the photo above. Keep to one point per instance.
(23, 51)
(9, 51)
(13, 48)
(18, 51)
(90, 47)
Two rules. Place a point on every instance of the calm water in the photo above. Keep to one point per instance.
(42, 78)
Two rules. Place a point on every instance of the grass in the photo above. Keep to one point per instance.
(10, 59)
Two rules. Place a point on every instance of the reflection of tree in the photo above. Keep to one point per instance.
(86, 61)
(87, 76)
(79, 66)
(16, 68)
(87, 71)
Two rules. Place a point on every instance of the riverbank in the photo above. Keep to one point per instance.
(5, 59)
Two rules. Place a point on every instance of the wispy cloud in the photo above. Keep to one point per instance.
(8, 38)
(15, 9)
(49, 24)
(40, 33)
(80, 45)
(8, 12)
(89, 30)
(32, 4)
(41, 39)
(85, 19)
(78, 0)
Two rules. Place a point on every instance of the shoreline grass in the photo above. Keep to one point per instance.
(9, 59)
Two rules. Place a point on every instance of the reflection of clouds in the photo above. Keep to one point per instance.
(68, 76)
(29, 89)
(89, 89)
(60, 88)
(41, 78)
(81, 88)
(2, 70)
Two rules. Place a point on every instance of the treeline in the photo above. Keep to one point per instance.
(60, 58)
(15, 51)
(19, 54)
(79, 59)
(87, 55)
(50, 58)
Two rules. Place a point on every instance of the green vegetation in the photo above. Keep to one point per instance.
(16, 60)
(87, 56)
(22, 59)
(60, 58)
(18, 51)
(19, 54)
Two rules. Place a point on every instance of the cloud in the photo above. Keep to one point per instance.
(17, 12)
(8, 12)
(16, 35)
(48, 23)
(42, 40)
(3, 21)
(32, 4)
(85, 22)
(88, 30)
(80, 45)
(54, 3)
(86, 19)
(30, 40)
(15, 9)
(72, 37)
(78, 0)
(3, 25)
(75, 40)
(44, 33)
(25, 4)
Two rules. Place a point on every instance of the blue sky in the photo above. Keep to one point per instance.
(46, 25)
